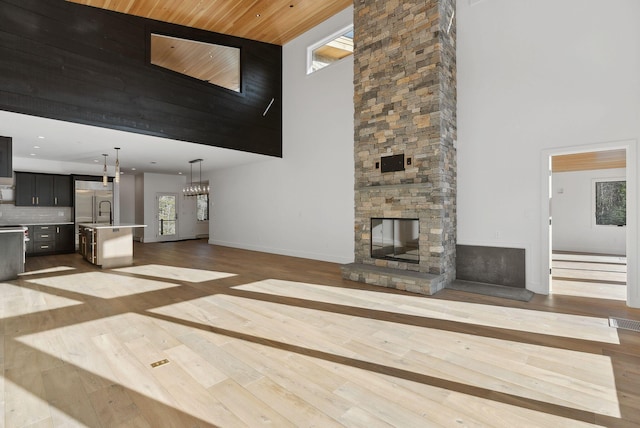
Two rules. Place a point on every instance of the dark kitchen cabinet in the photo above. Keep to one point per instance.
(62, 191)
(25, 189)
(6, 157)
(43, 190)
(50, 239)
(34, 189)
(44, 239)
(65, 238)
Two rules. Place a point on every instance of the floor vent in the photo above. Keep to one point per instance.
(624, 324)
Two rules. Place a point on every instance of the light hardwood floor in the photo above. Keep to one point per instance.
(253, 339)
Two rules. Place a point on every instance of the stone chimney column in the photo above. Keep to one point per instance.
(405, 106)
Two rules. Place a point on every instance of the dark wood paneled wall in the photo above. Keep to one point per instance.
(86, 65)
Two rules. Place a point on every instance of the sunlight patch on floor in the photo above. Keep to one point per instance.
(48, 270)
(176, 273)
(567, 378)
(555, 324)
(17, 301)
(592, 290)
(102, 284)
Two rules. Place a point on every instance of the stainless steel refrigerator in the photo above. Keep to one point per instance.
(93, 203)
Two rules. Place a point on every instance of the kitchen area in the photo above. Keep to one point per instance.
(45, 214)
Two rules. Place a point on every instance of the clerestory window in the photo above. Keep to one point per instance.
(329, 50)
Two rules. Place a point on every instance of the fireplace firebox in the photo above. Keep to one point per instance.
(395, 239)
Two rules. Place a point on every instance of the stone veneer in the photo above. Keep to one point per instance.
(405, 103)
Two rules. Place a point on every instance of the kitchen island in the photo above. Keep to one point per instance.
(12, 247)
(107, 245)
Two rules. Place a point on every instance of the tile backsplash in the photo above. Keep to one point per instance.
(13, 215)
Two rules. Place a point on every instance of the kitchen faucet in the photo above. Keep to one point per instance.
(110, 210)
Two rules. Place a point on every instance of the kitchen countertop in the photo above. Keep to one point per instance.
(48, 224)
(11, 229)
(40, 224)
(110, 226)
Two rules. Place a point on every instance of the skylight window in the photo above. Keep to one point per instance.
(215, 64)
(334, 48)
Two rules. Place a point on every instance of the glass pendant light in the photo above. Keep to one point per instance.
(105, 179)
(117, 177)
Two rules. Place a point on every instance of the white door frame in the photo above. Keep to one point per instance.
(633, 287)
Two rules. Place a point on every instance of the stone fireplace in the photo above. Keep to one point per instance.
(405, 133)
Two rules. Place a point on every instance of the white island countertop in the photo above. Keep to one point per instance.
(12, 229)
(110, 226)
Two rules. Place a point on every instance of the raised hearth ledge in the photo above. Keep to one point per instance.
(415, 282)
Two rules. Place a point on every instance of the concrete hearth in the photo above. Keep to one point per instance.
(405, 132)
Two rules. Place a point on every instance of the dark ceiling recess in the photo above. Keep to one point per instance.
(86, 65)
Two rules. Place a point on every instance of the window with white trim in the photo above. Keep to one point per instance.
(330, 49)
(610, 202)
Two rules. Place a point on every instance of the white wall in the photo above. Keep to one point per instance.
(138, 233)
(573, 215)
(127, 199)
(535, 75)
(302, 204)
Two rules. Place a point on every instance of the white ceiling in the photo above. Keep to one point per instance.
(82, 144)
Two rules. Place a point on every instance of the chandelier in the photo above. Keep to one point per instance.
(195, 189)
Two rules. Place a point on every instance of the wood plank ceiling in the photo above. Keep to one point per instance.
(589, 161)
(270, 21)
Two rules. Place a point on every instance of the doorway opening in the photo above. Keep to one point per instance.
(589, 192)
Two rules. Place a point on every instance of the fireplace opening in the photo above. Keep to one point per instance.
(395, 239)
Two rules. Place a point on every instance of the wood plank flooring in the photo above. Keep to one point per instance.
(254, 339)
(590, 275)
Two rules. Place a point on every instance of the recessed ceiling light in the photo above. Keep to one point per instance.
(95, 160)
(179, 173)
(41, 137)
(32, 154)
(36, 147)
(133, 169)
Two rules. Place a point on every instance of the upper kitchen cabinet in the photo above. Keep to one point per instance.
(43, 190)
(62, 191)
(34, 189)
(5, 157)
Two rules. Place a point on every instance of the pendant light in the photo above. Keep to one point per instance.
(104, 171)
(117, 177)
(198, 188)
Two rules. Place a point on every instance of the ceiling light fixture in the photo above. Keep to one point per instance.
(195, 189)
(104, 171)
(117, 178)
